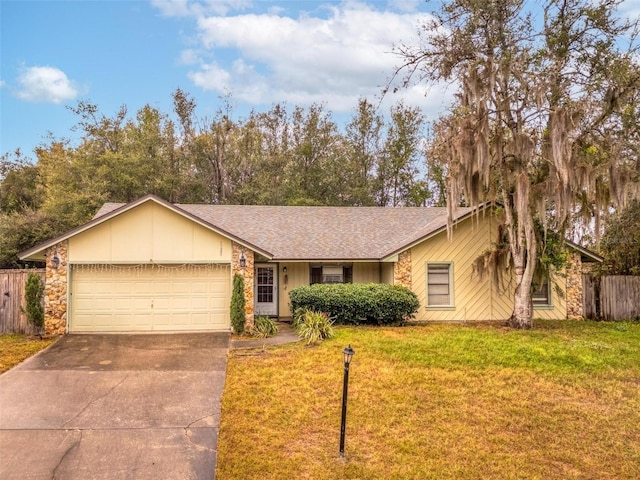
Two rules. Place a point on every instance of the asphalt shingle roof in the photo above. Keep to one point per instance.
(321, 233)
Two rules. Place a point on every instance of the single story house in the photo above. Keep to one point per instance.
(150, 265)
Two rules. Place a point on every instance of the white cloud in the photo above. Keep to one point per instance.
(189, 57)
(335, 59)
(45, 85)
(2, 83)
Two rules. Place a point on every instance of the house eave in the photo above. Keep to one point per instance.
(592, 257)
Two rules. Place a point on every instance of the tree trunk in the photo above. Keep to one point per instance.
(522, 306)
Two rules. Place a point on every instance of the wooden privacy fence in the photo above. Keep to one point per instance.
(611, 297)
(12, 284)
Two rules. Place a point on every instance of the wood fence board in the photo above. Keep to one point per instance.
(12, 288)
(589, 295)
(611, 297)
(620, 297)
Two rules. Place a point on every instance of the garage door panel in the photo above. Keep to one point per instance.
(154, 298)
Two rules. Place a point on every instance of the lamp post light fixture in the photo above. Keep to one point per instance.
(242, 260)
(348, 355)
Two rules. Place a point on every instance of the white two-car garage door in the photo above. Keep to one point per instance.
(149, 298)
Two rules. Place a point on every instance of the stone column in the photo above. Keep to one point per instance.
(55, 291)
(402, 270)
(247, 273)
(574, 287)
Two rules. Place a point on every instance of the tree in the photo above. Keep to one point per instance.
(398, 166)
(18, 183)
(621, 242)
(314, 172)
(542, 118)
(33, 297)
(364, 143)
(238, 316)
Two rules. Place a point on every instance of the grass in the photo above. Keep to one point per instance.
(561, 401)
(15, 348)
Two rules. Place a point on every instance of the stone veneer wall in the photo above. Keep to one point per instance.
(574, 287)
(247, 273)
(55, 291)
(402, 270)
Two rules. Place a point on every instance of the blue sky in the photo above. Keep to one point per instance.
(55, 53)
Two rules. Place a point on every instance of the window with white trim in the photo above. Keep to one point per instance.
(541, 292)
(331, 274)
(439, 285)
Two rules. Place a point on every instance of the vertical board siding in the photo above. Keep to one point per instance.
(297, 275)
(366, 272)
(386, 273)
(620, 297)
(12, 289)
(162, 236)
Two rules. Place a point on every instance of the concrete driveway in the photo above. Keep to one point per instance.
(114, 407)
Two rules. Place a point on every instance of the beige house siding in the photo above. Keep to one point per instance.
(366, 272)
(149, 233)
(386, 273)
(297, 275)
(473, 298)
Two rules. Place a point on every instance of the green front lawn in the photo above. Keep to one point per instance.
(439, 401)
(14, 348)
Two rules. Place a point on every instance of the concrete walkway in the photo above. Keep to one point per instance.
(286, 334)
(114, 407)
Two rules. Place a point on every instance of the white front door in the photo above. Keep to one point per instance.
(266, 289)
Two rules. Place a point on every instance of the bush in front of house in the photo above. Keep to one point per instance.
(312, 326)
(263, 327)
(238, 317)
(33, 297)
(356, 303)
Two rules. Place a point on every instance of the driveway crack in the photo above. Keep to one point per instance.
(199, 419)
(106, 394)
(199, 446)
(73, 447)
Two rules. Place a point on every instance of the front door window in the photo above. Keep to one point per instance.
(265, 284)
(266, 290)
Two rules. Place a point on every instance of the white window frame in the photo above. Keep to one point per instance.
(451, 303)
(549, 303)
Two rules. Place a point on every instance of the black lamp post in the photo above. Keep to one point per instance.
(348, 355)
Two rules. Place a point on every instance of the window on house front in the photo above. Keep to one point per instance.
(439, 285)
(331, 274)
(541, 292)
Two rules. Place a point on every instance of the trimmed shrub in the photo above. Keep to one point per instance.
(238, 317)
(263, 327)
(356, 303)
(33, 295)
(312, 326)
